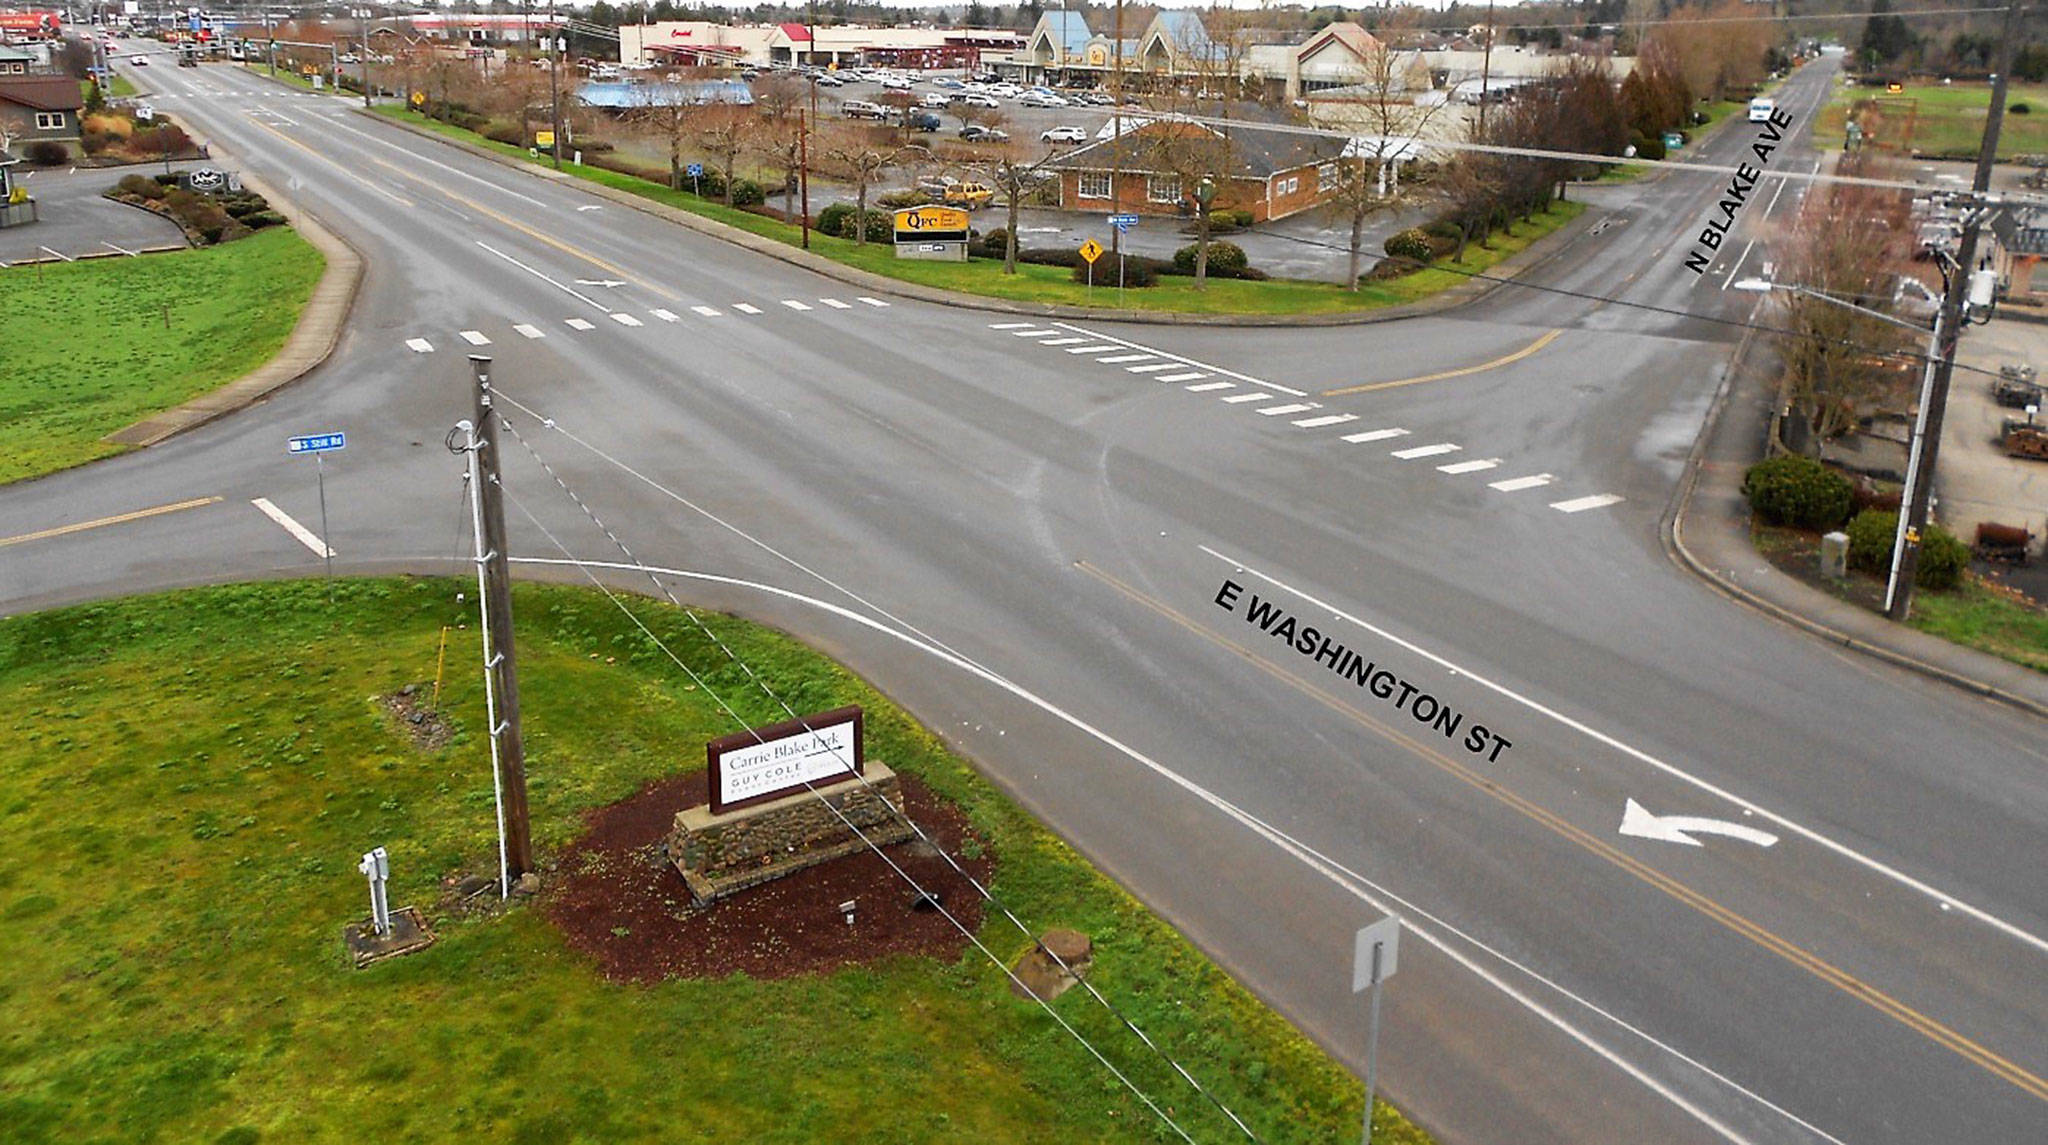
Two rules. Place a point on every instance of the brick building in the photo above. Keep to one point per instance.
(1151, 169)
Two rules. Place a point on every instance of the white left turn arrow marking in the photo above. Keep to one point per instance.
(1681, 828)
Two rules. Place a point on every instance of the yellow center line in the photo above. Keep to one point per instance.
(1517, 356)
(399, 199)
(123, 518)
(1820, 968)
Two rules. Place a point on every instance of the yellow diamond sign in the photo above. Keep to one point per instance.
(1091, 250)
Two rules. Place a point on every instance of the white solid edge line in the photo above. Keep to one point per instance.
(1356, 884)
(1672, 770)
(1275, 386)
(299, 532)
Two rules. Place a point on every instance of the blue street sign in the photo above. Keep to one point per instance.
(694, 170)
(1123, 222)
(317, 443)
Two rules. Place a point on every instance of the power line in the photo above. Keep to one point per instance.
(1765, 18)
(988, 896)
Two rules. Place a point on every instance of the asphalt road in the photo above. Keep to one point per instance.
(1025, 540)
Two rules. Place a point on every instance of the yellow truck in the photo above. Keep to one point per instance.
(972, 196)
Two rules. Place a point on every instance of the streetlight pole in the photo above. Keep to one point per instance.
(555, 85)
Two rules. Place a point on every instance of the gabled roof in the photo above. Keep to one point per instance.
(797, 32)
(42, 93)
(1344, 34)
(1184, 36)
(1069, 30)
(1259, 151)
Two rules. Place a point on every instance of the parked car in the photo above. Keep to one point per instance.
(862, 109)
(1065, 133)
(1041, 99)
(935, 99)
(139, 61)
(895, 83)
(924, 121)
(830, 80)
(980, 99)
(972, 196)
(948, 82)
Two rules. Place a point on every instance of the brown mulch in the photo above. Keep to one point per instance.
(617, 898)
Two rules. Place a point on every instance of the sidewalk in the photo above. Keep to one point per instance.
(1707, 530)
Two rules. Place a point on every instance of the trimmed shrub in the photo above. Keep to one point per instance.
(747, 193)
(1138, 272)
(47, 153)
(1242, 217)
(1649, 148)
(881, 226)
(140, 186)
(262, 219)
(995, 240)
(1444, 229)
(897, 200)
(1943, 556)
(1226, 260)
(2020, 108)
(1798, 491)
(1411, 244)
(505, 133)
(833, 220)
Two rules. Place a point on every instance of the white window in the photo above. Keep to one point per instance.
(1287, 186)
(49, 121)
(1094, 185)
(1162, 188)
(1326, 176)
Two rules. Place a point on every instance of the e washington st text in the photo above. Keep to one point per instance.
(1347, 664)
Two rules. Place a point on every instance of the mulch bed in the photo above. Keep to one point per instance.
(617, 898)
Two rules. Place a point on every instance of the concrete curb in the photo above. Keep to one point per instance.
(1810, 610)
(1546, 248)
(309, 344)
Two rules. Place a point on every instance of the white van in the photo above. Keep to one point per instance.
(1760, 109)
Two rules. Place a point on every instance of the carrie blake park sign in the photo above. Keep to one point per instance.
(1768, 139)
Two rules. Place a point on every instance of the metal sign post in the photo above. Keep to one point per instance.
(1372, 962)
(318, 444)
(696, 172)
(1123, 224)
(1090, 251)
(377, 865)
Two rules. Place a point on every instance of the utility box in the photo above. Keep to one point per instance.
(1834, 556)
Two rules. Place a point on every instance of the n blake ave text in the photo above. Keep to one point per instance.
(1769, 137)
(1383, 684)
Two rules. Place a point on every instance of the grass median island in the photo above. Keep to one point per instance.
(1055, 284)
(190, 778)
(97, 345)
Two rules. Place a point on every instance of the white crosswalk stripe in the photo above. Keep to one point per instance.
(1033, 333)
(1581, 504)
(419, 345)
(793, 304)
(706, 311)
(625, 319)
(1122, 358)
(872, 301)
(1291, 407)
(1236, 398)
(526, 331)
(579, 324)
(1063, 341)
(1151, 369)
(1457, 467)
(835, 304)
(745, 308)
(1326, 419)
(1096, 348)
(1205, 387)
(1438, 449)
(475, 338)
(1187, 377)
(667, 315)
(1011, 325)
(1517, 484)
(1374, 435)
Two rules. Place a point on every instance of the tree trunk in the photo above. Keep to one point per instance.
(860, 213)
(1357, 242)
(1010, 239)
(731, 161)
(675, 163)
(1201, 246)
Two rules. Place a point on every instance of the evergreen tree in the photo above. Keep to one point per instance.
(1885, 37)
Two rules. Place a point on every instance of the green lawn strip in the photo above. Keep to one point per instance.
(1986, 619)
(190, 777)
(1053, 284)
(89, 351)
(1950, 119)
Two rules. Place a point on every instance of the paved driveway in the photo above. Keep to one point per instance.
(76, 221)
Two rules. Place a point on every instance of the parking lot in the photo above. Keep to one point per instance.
(75, 222)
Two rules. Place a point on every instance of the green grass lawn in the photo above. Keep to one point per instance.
(1052, 284)
(117, 88)
(190, 777)
(89, 350)
(1946, 119)
(1986, 619)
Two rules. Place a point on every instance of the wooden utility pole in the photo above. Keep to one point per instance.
(501, 681)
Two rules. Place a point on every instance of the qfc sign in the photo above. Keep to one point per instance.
(938, 233)
(317, 443)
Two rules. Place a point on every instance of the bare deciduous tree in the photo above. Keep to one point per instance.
(851, 149)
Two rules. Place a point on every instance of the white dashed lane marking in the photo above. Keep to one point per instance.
(1517, 484)
(526, 331)
(1581, 504)
(419, 345)
(1291, 407)
(1374, 435)
(1441, 447)
(1469, 466)
(475, 338)
(1326, 419)
(578, 324)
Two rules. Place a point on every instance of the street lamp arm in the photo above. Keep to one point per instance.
(1759, 285)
